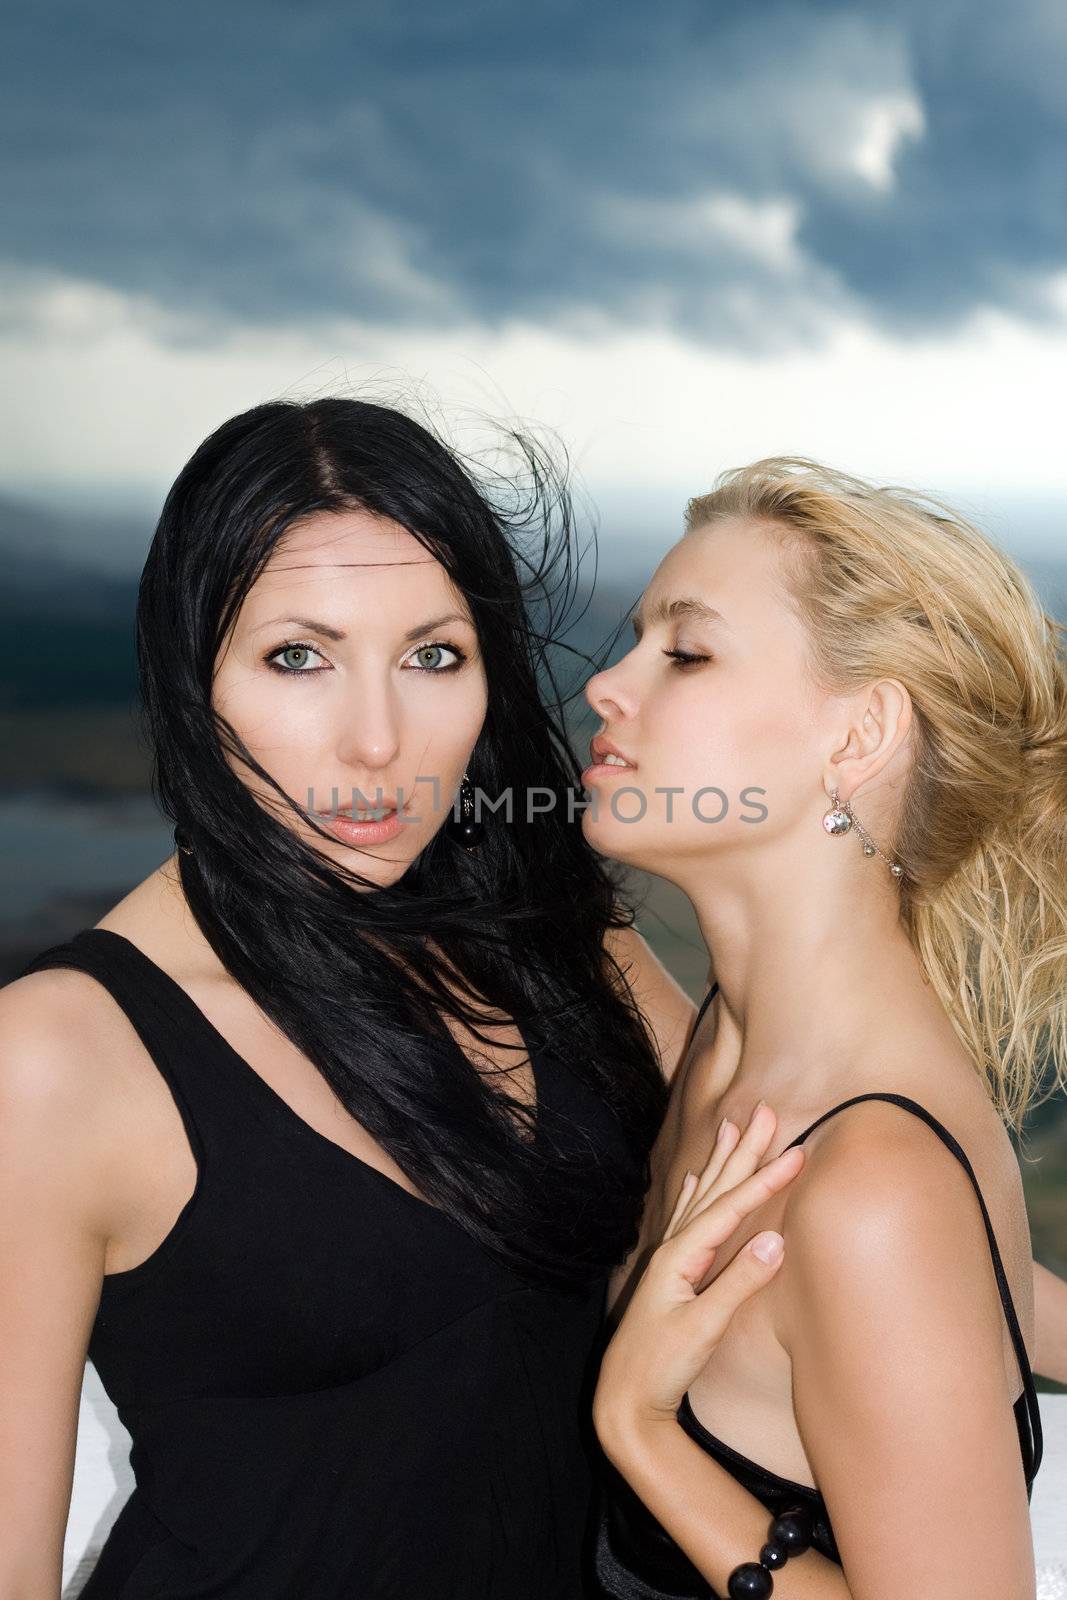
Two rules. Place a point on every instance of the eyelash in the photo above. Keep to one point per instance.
(309, 672)
(682, 659)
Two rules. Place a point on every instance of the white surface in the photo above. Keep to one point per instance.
(102, 1481)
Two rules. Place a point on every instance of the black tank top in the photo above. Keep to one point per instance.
(334, 1392)
(636, 1558)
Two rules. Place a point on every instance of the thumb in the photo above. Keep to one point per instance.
(749, 1271)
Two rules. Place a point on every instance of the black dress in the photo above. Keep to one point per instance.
(333, 1391)
(636, 1558)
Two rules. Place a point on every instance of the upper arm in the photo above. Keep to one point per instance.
(51, 1264)
(894, 1328)
(666, 1007)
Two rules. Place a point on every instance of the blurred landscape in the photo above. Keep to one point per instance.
(80, 827)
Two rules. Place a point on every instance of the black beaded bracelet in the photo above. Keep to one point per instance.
(790, 1535)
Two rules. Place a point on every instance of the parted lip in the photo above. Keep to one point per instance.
(369, 804)
(601, 747)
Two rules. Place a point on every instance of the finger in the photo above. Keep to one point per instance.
(750, 1270)
(750, 1149)
(726, 1141)
(724, 1172)
(738, 1170)
(734, 1203)
(740, 1158)
(681, 1205)
(695, 1242)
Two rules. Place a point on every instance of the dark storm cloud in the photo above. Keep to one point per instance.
(719, 167)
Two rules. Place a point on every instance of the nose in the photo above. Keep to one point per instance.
(370, 734)
(610, 693)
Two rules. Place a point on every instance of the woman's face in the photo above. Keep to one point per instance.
(353, 675)
(713, 701)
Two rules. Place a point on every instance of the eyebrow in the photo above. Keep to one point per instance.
(327, 632)
(672, 610)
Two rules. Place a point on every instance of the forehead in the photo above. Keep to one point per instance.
(353, 558)
(734, 566)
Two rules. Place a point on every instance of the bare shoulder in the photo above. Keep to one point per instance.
(68, 1067)
(663, 1002)
(47, 1019)
(876, 1167)
(883, 1210)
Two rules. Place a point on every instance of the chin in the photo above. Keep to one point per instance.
(631, 842)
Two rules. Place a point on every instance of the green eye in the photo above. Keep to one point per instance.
(431, 658)
(298, 668)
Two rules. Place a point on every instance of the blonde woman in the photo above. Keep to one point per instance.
(842, 730)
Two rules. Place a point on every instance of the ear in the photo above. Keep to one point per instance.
(877, 724)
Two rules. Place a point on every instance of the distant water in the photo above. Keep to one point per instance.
(59, 855)
(55, 848)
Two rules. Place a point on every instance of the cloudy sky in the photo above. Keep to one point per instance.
(683, 235)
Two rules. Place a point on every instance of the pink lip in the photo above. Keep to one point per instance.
(599, 747)
(339, 821)
(598, 771)
(349, 831)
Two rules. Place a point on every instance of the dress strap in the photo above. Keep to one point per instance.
(704, 1004)
(907, 1104)
(146, 995)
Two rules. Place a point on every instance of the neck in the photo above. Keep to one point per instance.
(820, 988)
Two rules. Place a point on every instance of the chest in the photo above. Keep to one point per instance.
(684, 1142)
(295, 1252)
(499, 1054)
(497, 1050)
(745, 1392)
(278, 1081)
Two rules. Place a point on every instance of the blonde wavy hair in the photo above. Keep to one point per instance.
(893, 583)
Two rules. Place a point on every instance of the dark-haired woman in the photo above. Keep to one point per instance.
(322, 1142)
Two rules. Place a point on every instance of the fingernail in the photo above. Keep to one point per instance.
(722, 1130)
(768, 1247)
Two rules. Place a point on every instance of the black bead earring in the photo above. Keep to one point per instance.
(467, 830)
(181, 839)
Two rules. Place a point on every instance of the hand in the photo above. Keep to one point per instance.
(735, 1155)
(672, 1324)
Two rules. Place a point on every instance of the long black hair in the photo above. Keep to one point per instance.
(351, 972)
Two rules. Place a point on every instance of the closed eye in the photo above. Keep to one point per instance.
(683, 659)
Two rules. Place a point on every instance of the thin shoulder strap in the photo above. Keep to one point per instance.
(906, 1104)
(704, 1004)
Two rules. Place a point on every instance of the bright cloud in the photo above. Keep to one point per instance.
(886, 125)
(111, 395)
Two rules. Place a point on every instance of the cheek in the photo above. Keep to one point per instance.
(693, 734)
(729, 734)
(442, 720)
(269, 720)
(771, 745)
(290, 729)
